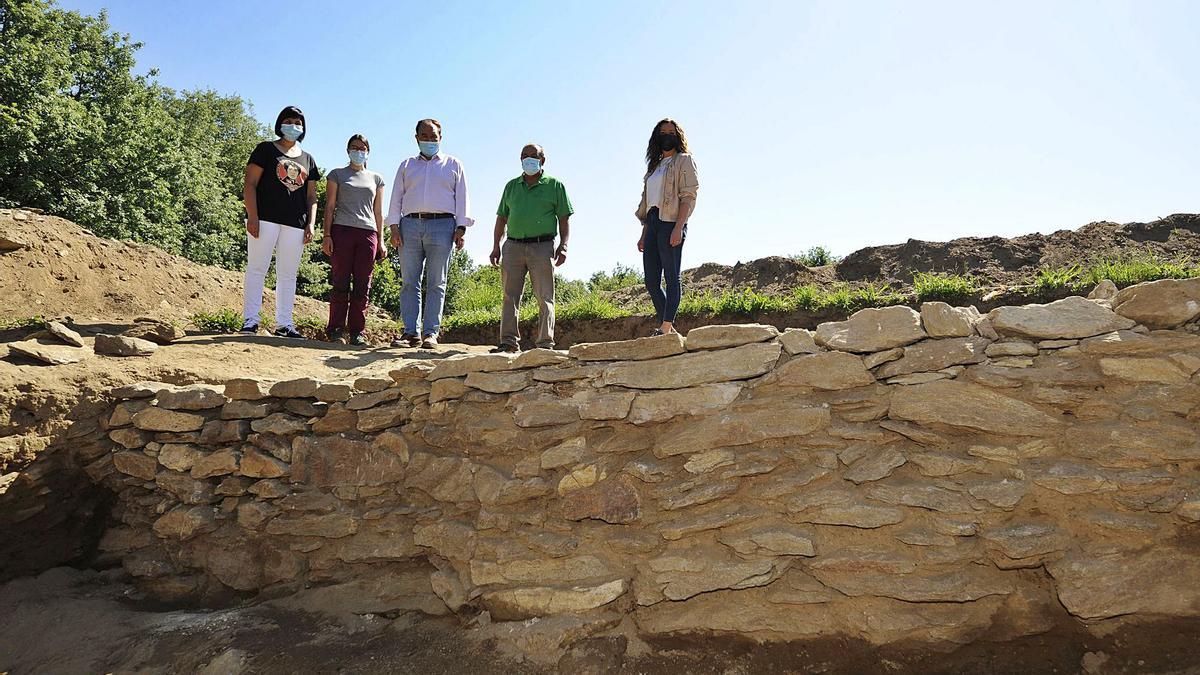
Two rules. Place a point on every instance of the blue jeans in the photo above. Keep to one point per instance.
(425, 252)
(660, 259)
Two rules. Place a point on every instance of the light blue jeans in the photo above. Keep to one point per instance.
(425, 253)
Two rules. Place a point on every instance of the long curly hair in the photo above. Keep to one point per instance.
(654, 150)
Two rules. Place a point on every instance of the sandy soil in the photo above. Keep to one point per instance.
(73, 621)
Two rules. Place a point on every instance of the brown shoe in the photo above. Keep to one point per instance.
(505, 348)
(430, 342)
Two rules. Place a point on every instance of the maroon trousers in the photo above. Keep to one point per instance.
(353, 261)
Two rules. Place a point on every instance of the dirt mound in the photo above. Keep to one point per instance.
(1001, 261)
(766, 275)
(52, 267)
(993, 261)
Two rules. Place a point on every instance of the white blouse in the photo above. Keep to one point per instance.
(654, 185)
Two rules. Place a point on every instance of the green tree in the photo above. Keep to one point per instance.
(85, 137)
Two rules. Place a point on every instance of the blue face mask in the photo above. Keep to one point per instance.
(291, 131)
(358, 157)
(531, 165)
(429, 148)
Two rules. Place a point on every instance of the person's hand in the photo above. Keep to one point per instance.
(252, 227)
(381, 250)
(560, 256)
(642, 244)
(677, 236)
(458, 239)
(495, 256)
(308, 234)
(327, 246)
(397, 242)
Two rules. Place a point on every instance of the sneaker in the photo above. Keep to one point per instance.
(406, 340)
(250, 326)
(505, 348)
(287, 332)
(656, 332)
(430, 342)
(358, 340)
(335, 334)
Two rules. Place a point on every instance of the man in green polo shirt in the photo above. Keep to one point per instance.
(532, 207)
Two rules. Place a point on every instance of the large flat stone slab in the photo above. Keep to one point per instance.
(695, 368)
(872, 330)
(723, 336)
(1160, 304)
(641, 349)
(962, 404)
(1160, 581)
(1073, 317)
(931, 355)
(50, 354)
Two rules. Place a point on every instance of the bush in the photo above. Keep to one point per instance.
(622, 276)
(815, 257)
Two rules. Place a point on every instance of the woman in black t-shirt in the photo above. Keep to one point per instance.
(281, 209)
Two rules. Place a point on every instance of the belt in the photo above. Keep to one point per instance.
(532, 240)
(429, 216)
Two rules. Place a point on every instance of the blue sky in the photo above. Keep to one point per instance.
(841, 124)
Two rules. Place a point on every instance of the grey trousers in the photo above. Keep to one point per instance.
(517, 258)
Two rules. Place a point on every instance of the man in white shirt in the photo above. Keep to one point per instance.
(429, 213)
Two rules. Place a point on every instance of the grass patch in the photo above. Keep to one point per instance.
(1123, 271)
(1049, 280)
(223, 320)
(16, 322)
(590, 306)
(943, 286)
(1135, 270)
(802, 298)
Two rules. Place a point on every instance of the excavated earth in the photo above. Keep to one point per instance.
(72, 604)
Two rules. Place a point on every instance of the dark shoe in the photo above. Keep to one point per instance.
(656, 332)
(357, 340)
(505, 349)
(430, 342)
(406, 340)
(335, 334)
(287, 332)
(249, 327)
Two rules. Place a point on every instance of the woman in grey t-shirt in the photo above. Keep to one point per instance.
(353, 240)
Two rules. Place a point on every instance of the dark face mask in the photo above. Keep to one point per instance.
(668, 142)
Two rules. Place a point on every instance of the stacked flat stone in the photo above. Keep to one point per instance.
(901, 475)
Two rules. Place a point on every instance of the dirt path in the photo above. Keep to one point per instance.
(72, 621)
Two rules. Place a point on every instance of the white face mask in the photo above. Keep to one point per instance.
(531, 165)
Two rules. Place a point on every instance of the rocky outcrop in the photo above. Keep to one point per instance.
(898, 476)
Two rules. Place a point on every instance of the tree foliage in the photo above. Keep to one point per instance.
(85, 137)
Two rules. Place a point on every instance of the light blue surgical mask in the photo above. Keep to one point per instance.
(531, 165)
(429, 148)
(291, 131)
(358, 157)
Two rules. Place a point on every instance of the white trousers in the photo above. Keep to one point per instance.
(287, 243)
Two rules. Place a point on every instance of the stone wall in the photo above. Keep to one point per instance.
(937, 476)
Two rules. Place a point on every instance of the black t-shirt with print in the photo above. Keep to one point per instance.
(282, 190)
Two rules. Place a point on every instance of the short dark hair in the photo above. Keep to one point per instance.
(431, 122)
(541, 152)
(290, 111)
(359, 137)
